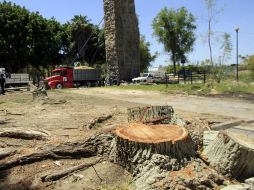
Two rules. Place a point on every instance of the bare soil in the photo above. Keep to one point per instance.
(66, 121)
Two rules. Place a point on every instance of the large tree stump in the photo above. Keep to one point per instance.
(137, 142)
(154, 115)
(232, 154)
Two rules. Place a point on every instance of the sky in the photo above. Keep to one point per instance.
(233, 14)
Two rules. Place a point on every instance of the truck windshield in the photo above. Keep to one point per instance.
(56, 73)
(145, 74)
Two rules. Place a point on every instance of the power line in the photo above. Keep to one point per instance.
(77, 56)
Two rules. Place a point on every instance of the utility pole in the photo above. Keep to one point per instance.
(237, 31)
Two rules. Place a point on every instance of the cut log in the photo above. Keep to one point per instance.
(100, 119)
(137, 142)
(22, 133)
(58, 175)
(232, 154)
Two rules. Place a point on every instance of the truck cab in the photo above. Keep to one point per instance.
(62, 77)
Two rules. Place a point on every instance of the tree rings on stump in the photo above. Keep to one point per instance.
(137, 142)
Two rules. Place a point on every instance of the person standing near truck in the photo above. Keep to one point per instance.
(2, 84)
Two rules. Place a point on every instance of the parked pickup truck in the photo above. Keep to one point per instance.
(145, 77)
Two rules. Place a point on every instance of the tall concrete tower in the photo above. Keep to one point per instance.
(122, 40)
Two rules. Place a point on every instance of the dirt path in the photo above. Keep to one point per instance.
(183, 104)
(65, 123)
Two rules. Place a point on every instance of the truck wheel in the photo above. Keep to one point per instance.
(88, 84)
(96, 84)
(59, 86)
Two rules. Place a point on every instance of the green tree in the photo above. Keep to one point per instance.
(45, 42)
(27, 39)
(13, 36)
(212, 12)
(249, 63)
(226, 48)
(175, 30)
(86, 39)
(145, 55)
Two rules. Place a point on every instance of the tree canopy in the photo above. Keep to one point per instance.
(145, 55)
(175, 30)
(28, 40)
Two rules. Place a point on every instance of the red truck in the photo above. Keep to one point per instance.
(69, 77)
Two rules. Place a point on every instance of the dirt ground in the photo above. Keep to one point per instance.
(66, 122)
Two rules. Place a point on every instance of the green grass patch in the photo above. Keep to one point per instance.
(171, 88)
(234, 87)
(194, 89)
(15, 100)
(129, 185)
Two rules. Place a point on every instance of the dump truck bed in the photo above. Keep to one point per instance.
(86, 75)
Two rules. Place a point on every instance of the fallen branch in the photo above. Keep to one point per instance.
(51, 101)
(97, 144)
(54, 155)
(2, 122)
(100, 119)
(6, 152)
(22, 133)
(3, 144)
(6, 112)
(66, 172)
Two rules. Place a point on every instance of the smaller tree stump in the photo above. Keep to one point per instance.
(137, 142)
(154, 115)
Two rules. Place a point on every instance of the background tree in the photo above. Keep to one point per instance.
(248, 62)
(27, 39)
(226, 47)
(175, 30)
(14, 41)
(145, 55)
(212, 11)
(80, 30)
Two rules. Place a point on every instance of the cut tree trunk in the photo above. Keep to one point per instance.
(154, 115)
(137, 142)
(232, 154)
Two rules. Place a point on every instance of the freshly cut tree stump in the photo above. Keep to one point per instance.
(232, 154)
(137, 142)
(38, 93)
